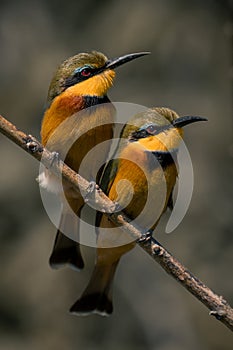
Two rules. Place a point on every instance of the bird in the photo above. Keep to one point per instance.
(144, 165)
(79, 85)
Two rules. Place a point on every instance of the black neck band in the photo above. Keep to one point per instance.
(166, 158)
(95, 100)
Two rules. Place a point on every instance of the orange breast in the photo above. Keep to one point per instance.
(61, 108)
(73, 130)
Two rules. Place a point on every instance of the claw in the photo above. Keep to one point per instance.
(219, 313)
(113, 209)
(90, 190)
(91, 187)
(146, 236)
(32, 145)
(54, 158)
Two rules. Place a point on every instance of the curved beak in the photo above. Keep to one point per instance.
(116, 62)
(182, 121)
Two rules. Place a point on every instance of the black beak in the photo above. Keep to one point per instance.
(182, 121)
(116, 62)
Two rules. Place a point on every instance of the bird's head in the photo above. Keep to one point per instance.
(87, 74)
(157, 129)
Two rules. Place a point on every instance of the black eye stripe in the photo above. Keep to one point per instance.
(143, 133)
(78, 76)
(85, 69)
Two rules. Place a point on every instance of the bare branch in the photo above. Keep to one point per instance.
(217, 305)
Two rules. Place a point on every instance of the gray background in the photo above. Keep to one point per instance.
(190, 71)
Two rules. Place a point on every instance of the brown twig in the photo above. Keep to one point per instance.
(217, 305)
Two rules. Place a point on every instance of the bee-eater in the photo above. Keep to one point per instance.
(146, 158)
(80, 82)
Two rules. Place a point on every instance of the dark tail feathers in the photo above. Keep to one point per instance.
(94, 303)
(66, 252)
(97, 297)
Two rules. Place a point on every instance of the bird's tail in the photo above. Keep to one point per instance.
(66, 252)
(97, 297)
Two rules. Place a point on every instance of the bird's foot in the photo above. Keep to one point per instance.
(90, 192)
(115, 208)
(146, 236)
(32, 144)
(219, 313)
(54, 158)
(92, 187)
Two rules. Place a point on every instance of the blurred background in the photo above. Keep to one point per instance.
(189, 70)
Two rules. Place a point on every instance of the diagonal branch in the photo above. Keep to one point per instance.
(217, 305)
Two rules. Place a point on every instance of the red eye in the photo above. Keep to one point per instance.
(151, 129)
(85, 72)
